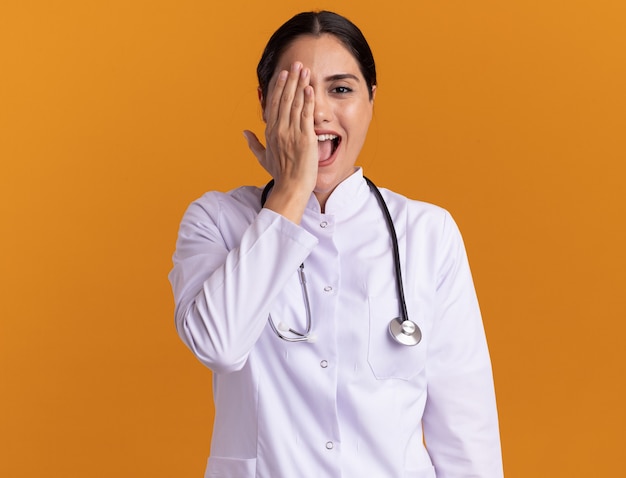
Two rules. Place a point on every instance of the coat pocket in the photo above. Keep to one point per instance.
(221, 467)
(388, 358)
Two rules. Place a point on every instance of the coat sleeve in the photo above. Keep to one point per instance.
(227, 272)
(460, 419)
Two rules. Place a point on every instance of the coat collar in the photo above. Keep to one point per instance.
(348, 195)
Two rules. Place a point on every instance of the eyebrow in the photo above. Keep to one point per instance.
(342, 76)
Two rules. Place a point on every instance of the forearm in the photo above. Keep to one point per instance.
(461, 426)
(223, 297)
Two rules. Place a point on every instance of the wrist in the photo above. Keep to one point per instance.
(288, 202)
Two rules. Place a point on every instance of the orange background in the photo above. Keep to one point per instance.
(115, 115)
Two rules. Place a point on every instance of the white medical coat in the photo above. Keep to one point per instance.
(354, 404)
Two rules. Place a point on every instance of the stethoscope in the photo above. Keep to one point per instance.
(402, 329)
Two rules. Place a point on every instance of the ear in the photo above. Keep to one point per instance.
(373, 93)
(259, 93)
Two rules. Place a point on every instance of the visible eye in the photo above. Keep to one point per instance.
(342, 90)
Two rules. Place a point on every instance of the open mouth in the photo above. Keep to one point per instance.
(327, 145)
(335, 142)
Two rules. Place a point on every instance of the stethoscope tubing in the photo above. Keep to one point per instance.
(394, 243)
(402, 329)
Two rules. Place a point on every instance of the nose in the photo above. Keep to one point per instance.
(322, 113)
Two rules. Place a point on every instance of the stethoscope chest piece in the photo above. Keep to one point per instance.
(405, 332)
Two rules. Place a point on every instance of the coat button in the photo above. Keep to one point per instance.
(323, 224)
(328, 288)
(330, 445)
(324, 363)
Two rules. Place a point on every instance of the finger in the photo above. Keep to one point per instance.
(255, 145)
(298, 99)
(273, 104)
(288, 94)
(307, 123)
(262, 155)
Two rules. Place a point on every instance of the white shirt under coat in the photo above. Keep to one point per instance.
(354, 403)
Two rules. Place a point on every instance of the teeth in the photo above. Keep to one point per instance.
(326, 137)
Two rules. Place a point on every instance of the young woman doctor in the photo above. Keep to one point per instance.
(343, 342)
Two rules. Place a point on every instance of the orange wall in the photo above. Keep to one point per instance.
(115, 115)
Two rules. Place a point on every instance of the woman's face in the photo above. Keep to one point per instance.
(343, 109)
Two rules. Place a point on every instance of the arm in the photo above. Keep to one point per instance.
(223, 297)
(460, 419)
(291, 154)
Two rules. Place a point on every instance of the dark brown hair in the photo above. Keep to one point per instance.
(317, 24)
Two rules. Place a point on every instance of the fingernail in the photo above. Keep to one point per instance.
(296, 66)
